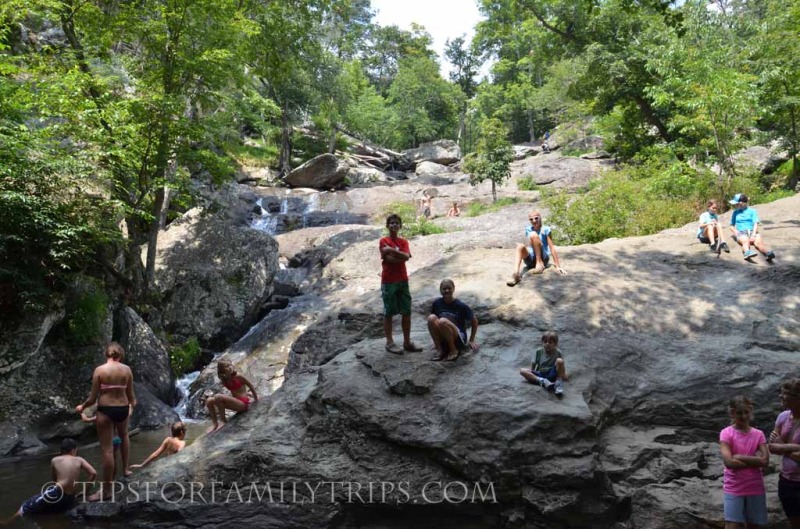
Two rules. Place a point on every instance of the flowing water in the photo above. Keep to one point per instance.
(291, 210)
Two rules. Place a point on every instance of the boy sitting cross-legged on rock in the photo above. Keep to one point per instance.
(447, 324)
(547, 368)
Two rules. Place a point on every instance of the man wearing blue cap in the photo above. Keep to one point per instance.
(744, 225)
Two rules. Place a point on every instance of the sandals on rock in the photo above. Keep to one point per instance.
(394, 348)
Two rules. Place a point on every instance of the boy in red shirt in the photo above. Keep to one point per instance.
(394, 285)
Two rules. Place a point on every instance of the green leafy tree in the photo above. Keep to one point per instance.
(492, 157)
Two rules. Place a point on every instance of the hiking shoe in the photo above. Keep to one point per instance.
(750, 254)
(725, 248)
(558, 388)
(546, 384)
(770, 256)
(394, 349)
(712, 247)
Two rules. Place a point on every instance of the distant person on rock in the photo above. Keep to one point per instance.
(394, 285)
(238, 402)
(61, 493)
(745, 229)
(536, 255)
(785, 441)
(546, 142)
(447, 324)
(427, 203)
(744, 453)
(547, 369)
(710, 230)
(454, 211)
(170, 445)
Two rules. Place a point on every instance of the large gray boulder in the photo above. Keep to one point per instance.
(146, 356)
(442, 152)
(151, 412)
(589, 143)
(213, 277)
(326, 171)
(557, 171)
(656, 342)
(432, 168)
(365, 175)
(759, 158)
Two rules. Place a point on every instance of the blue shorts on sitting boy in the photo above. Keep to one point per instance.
(547, 368)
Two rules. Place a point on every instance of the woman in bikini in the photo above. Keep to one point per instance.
(112, 389)
(217, 404)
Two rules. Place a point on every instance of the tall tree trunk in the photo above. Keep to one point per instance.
(285, 159)
(794, 179)
(332, 140)
(494, 192)
(531, 131)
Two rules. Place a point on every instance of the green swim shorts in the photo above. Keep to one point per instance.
(396, 298)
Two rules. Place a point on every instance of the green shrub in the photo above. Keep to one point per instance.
(637, 200)
(475, 209)
(184, 357)
(86, 310)
(412, 224)
(569, 151)
(526, 183)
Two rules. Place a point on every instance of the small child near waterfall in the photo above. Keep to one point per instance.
(61, 492)
(170, 445)
(744, 453)
(394, 285)
(238, 402)
(547, 369)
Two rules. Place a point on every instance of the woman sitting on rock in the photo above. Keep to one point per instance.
(217, 404)
(112, 389)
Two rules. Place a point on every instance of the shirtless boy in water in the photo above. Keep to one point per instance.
(60, 497)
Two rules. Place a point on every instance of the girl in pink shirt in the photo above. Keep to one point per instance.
(744, 452)
(785, 441)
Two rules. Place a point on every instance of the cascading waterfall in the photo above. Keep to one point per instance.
(183, 384)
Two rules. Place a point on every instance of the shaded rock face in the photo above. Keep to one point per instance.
(657, 334)
(594, 143)
(325, 171)
(146, 356)
(759, 158)
(442, 152)
(150, 412)
(214, 278)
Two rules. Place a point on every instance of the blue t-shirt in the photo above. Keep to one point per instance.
(458, 312)
(544, 232)
(706, 218)
(744, 219)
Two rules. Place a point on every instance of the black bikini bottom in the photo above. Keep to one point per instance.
(115, 413)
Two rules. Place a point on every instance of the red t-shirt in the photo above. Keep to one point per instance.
(394, 272)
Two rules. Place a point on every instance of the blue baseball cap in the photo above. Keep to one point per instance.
(739, 198)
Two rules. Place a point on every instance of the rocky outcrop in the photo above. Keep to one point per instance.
(432, 168)
(759, 158)
(589, 143)
(631, 444)
(557, 171)
(214, 278)
(365, 175)
(444, 152)
(325, 171)
(146, 356)
(150, 412)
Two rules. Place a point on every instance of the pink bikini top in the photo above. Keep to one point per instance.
(233, 384)
(104, 387)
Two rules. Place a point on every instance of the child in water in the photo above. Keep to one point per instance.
(60, 494)
(116, 441)
(744, 452)
(217, 404)
(170, 445)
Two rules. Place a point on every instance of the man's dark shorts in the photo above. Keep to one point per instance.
(396, 298)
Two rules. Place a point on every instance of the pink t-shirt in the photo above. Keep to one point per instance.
(743, 481)
(790, 469)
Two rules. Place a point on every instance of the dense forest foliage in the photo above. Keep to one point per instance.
(111, 111)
